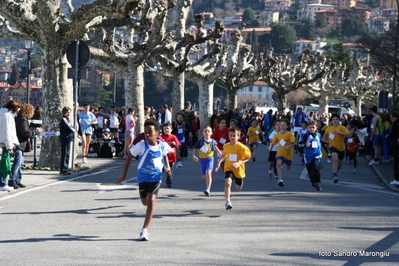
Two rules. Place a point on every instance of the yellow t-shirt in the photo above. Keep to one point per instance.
(254, 137)
(336, 140)
(235, 153)
(284, 139)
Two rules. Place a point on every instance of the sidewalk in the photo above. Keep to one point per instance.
(384, 172)
(33, 178)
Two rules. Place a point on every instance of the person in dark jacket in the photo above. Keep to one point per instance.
(66, 137)
(24, 133)
(393, 139)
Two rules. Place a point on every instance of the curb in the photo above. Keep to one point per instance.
(381, 177)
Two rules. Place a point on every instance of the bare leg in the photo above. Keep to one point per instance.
(150, 203)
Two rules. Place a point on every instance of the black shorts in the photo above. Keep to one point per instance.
(98, 132)
(272, 156)
(146, 188)
(113, 130)
(341, 154)
(229, 174)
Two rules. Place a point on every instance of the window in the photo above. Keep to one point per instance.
(259, 89)
(250, 89)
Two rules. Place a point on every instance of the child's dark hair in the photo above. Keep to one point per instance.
(285, 121)
(221, 118)
(152, 122)
(167, 124)
(276, 121)
(304, 122)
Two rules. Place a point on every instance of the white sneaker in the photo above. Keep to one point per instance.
(229, 206)
(377, 162)
(354, 170)
(395, 182)
(372, 162)
(144, 235)
(179, 165)
(6, 188)
(84, 160)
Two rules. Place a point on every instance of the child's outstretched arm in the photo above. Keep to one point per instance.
(166, 165)
(220, 161)
(195, 158)
(218, 151)
(122, 177)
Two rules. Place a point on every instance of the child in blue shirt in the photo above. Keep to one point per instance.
(312, 154)
(153, 157)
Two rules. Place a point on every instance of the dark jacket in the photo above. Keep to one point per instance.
(393, 137)
(24, 131)
(66, 130)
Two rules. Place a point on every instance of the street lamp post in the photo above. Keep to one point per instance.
(28, 46)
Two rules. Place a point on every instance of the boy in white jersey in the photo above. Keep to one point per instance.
(153, 157)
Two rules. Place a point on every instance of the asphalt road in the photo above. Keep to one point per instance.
(89, 220)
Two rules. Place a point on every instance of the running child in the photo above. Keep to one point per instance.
(179, 130)
(286, 141)
(221, 134)
(352, 144)
(253, 137)
(206, 146)
(235, 155)
(300, 143)
(153, 157)
(312, 154)
(243, 137)
(174, 143)
(335, 136)
(273, 151)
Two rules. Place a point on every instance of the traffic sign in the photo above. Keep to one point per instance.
(84, 53)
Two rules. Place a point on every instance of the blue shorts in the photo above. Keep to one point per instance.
(377, 140)
(206, 164)
(285, 160)
(254, 144)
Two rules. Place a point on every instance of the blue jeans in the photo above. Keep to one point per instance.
(16, 169)
(65, 150)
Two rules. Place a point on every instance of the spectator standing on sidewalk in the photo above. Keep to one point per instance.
(394, 145)
(131, 120)
(8, 135)
(24, 133)
(87, 120)
(66, 137)
(376, 135)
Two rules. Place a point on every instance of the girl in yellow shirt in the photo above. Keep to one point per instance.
(285, 154)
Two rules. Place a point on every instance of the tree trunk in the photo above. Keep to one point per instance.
(232, 99)
(323, 103)
(280, 101)
(359, 106)
(205, 102)
(134, 94)
(178, 94)
(57, 93)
